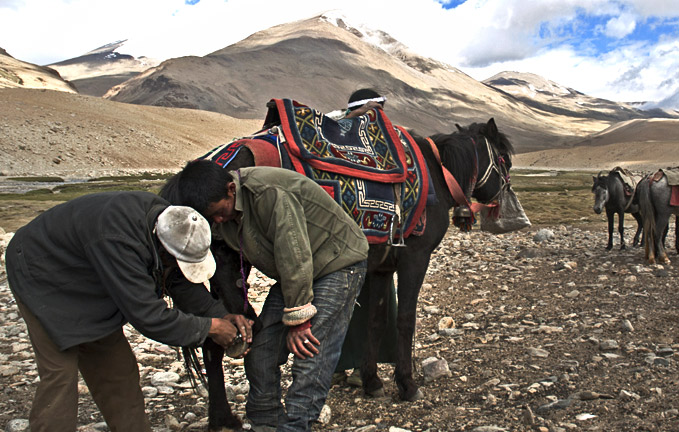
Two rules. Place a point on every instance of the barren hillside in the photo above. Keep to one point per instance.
(44, 132)
(320, 61)
(635, 144)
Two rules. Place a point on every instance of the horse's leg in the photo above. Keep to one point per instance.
(378, 285)
(661, 222)
(637, 217)
(411, 272)
(621, 229)
(609, 215)
(220, 417)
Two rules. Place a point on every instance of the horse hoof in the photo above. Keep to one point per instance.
(377, 394)
(417, 396)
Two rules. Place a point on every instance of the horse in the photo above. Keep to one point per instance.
(479, 158)
(654, 203)
(609, 193)
(226, 285)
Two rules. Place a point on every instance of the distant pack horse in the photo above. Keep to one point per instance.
(479, 158)
(657, 204)
(609, 193)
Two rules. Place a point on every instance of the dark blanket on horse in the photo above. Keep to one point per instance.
(366, 147)
(374, 205)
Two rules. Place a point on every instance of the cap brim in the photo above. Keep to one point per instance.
(199, 272)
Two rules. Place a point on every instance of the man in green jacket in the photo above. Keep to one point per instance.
(293, 231)
(82, 270)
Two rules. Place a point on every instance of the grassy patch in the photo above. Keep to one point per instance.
(37, 179)
(556, 197)
(549, 198)
(68, 191)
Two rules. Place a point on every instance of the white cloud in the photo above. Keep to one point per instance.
(481, 37)
(621, 26)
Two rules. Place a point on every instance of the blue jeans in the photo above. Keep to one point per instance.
(334, 298)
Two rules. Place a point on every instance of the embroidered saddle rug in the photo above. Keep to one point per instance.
(372, 204)
(366, 147)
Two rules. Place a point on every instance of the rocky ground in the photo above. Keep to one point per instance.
(514, 334)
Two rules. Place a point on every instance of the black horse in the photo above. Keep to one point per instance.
(479, 158)
(654, 202)
(609, 193)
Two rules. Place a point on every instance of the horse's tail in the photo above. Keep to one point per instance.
(647, 212)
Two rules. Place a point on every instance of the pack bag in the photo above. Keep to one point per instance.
(511, 215)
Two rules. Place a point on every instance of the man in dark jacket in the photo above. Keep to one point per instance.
(82, 270)
(290, 229)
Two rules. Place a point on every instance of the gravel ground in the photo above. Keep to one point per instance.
(526, 335)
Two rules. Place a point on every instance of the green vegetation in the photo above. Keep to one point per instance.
(37, 179)
(556, 197)
(549, 197)
(67, 191)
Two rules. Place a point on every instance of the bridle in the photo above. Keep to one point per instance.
(496, 164)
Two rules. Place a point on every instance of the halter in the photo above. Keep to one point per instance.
(458, 194)
(497, 164)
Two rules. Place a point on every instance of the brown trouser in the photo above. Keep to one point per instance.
(107, 365)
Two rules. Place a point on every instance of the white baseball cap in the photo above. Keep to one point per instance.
(187, 236)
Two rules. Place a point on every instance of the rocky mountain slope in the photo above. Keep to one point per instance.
(546, 95)
(19, 74)
(320, 61)
(44, 132)
(95, 72)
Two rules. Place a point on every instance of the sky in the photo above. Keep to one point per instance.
(621, 50)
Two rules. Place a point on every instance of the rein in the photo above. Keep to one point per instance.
(454, 187)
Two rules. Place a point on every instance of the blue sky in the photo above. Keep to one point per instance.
(623, 50)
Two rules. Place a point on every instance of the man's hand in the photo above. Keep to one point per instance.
(224, 332)
(301, 342)
(243, 325)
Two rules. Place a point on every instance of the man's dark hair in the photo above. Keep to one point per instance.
(199, 184)
(362, 94)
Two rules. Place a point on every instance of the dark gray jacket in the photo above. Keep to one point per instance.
(88, 266)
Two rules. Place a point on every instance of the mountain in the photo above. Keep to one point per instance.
(639, 144)
(95, 72)
(549, 96)
(670, 103)
(19, 74)
(320, 61)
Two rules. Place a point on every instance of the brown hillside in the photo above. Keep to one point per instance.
(46, 132)
(320, 64)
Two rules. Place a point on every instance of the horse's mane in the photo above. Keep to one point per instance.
(600, 181)
(457, 151)
(502, 143)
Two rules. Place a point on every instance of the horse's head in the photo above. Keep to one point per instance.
(600, 190)
(494, 159)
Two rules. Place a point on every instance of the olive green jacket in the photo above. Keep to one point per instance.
(291, 230)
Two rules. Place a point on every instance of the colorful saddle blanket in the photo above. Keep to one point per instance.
(366, 147)
(372, 204)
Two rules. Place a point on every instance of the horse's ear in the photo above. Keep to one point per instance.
(492, 128)
(459, 128)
